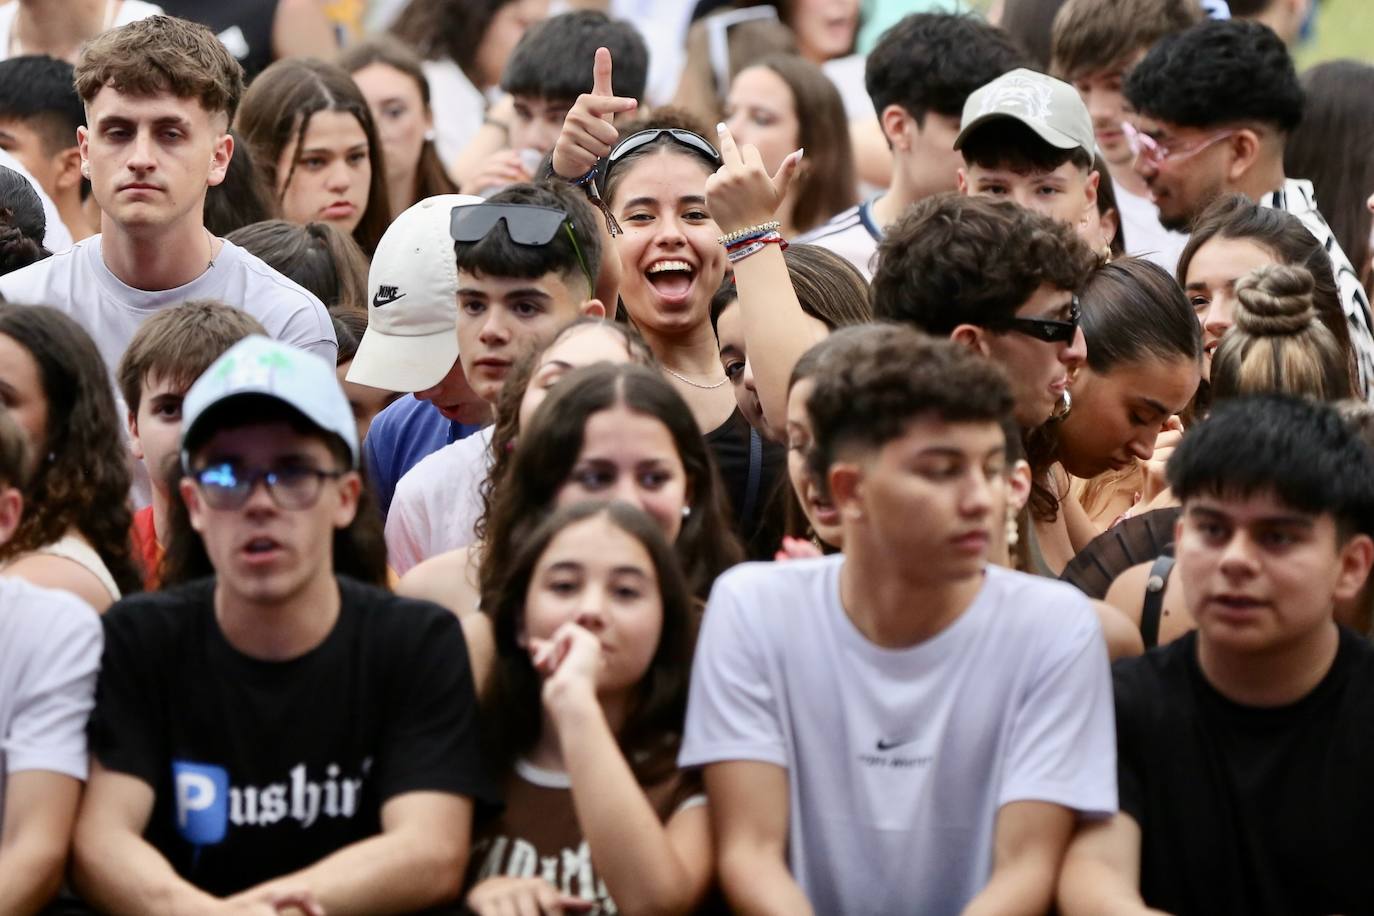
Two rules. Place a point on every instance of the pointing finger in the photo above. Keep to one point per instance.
(601, 73)
(729, 152)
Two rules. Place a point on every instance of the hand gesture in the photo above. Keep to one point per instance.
(274, 900)
(501, 895)
(501, 168)
(569, 663)
(588, 131)
(1155, 480)
(741, 193)
(796, 549)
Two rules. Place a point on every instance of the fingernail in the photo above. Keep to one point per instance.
(720, 127)
(800, 152)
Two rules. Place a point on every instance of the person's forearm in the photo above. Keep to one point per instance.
(760, 885)
(30, 876)
(1091, 888)
(1013, 890)
(121, 873)
(776, 330)
(396, 872)
(629, 845)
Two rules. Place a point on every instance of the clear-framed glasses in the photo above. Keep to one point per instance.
(1049, 330)
(227, 486)
(1154, 152)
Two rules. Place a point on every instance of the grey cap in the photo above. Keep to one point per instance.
(1050, 107)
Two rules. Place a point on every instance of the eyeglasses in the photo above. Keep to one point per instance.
(226, 486)
(691, 140)
(1049, 330)
(526, 224)
(1154, 152)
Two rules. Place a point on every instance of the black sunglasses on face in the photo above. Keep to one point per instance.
(690, 139)
(1049, 330)
(526, 224)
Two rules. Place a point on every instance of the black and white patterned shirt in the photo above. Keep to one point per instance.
(1297, 197)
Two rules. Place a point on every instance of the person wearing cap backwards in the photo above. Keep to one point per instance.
(276, 738)
(1028, 138)
(411, 344)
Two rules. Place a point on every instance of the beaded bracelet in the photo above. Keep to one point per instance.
(741, 250)
(749, 233)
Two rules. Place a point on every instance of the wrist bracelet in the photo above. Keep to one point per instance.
(742, 250)
(748, 233)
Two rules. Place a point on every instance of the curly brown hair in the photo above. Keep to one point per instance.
(953, 260)
(81, 480)
(162, 54)
(875, 379)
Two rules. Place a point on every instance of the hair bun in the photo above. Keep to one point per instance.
(1275, 300)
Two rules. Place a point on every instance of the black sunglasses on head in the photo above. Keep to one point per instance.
(690, 139)
(526, 224)
(1050, 330)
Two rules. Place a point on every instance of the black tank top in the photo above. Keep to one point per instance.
(243, 26)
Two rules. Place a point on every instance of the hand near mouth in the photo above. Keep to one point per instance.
(741, 193)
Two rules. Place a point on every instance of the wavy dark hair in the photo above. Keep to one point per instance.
(652, 731)
(431, 178)
(319, 256)
(276, 112)
(549, 449)
(506, 427)
(359, 548)
(22, 222)
(82, 477)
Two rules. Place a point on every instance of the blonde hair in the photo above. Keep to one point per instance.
(1278, 344)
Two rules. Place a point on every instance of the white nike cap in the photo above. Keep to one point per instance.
(412, 308)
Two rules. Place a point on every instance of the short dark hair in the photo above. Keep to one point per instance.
(178, 344)
(319, 256)
(1090, 36)
(954, 259)
(38, 90)
(1005, 143)
(1133, 310)
(1218, 72)
(1300, 450)
(879, 378)
(496, 255)
(935, 61)
(553, 59)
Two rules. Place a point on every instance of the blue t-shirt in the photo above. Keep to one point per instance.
(404, 432)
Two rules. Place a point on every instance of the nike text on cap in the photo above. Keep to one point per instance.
(1050, 107)
(412, 301)
(260, 367)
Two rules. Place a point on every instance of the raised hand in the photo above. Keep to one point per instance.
(588, 131)
(741, 193)
(569, 662)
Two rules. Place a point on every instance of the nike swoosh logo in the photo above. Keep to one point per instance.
(889, 745)
(378, 301)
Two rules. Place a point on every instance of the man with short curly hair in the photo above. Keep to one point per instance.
(1215, 105)
(902, 728)
(998, 279)
(919, 76)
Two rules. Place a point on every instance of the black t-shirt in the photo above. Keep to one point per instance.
(1249, 810)
(243, 26)
(750, 470)
(263, 768)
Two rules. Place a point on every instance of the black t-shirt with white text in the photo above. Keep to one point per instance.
(1247, 810)
(262, 768)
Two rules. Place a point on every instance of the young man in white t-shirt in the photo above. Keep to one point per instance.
(159, 96)
(903, 728)
(50, 646)
(527, 262)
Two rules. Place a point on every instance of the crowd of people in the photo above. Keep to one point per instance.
(514, 458)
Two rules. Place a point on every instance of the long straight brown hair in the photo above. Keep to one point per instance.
(276, 112)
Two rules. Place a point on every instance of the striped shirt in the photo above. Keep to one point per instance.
(853, 235)
(1296, 197)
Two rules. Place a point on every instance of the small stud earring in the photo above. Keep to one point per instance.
(430, 135)
(686, 511)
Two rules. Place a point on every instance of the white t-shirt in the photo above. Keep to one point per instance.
(127, 12)
(898, 760)
(56, 236)
(853, 235)
(458, 106)
(438, 502)
(1145, 237)
(50, 644)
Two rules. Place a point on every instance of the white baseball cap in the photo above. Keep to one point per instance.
(412, 307)
(260, 367)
